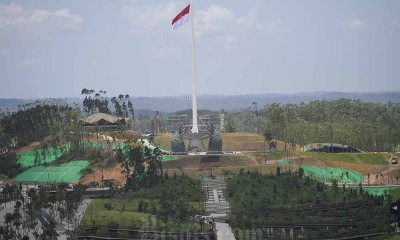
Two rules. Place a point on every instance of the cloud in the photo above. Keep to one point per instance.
(213, 20)
(30, 62)
(145, 17)
(276, 25)
(357, 24)
(253, 20)
(17, 19)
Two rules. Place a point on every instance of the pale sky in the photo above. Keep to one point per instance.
(55, 48)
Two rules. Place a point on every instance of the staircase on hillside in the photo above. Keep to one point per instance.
(196, 145)
(216, 203)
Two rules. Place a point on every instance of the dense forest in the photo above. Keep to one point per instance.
(367, 126)
(363, 125)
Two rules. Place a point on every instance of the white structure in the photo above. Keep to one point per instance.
(195, 127)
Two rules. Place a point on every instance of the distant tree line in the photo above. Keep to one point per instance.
(367, 126)
(364, 125)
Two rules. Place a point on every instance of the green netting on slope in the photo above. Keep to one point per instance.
(122, 147)
(285, 162)
(27, 159)
(67, 172)
(327, 174)
(376, 191)
(169, 158)
(119, 146)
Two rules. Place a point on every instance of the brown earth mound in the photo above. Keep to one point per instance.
(112, 173)
(30, 147)
(250, 142)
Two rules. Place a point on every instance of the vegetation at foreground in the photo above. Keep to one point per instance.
(259, 200)
(47, 204)
(391, 236)
(169, 205)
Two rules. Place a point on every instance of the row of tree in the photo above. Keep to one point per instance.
(367, 126)
(97, 102)
(364, 125)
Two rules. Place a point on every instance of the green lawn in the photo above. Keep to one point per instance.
(165, 205)
(342, 157)
(393, 236)
(366, 158)
(373, 158)
(163, 141)
(130, 217)
(125, 213)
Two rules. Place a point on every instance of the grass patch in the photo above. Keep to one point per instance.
(342, 157)
(230, 141)
(169, 157)
(373, 158)
(366, 158)
(392, 236)
(124, 212)
(163, 141)
(242, 142)
(164, 206)
(395, 193)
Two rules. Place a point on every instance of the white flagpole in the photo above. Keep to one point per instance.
(195, 128)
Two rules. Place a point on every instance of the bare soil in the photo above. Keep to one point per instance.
(30, 147)
(112, 173)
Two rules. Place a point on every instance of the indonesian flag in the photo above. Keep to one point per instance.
(181, 18)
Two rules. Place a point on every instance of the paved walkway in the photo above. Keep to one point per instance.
(216, 203)
(80, 212)
(224, 231)
(216, 206)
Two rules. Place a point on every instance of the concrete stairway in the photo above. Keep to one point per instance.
(216, 203)
(196, 145)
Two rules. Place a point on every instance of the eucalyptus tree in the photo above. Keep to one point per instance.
(368, 126)
(95, 102)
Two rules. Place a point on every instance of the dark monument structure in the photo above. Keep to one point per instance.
(195, 140)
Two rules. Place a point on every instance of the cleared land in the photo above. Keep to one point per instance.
(374, 164)
(230, 142)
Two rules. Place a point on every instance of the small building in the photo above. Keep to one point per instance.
(330, 148)
(105, 121)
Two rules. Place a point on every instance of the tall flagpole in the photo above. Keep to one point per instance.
(195, 128)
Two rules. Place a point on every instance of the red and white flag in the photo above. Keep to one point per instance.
(181, 18)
